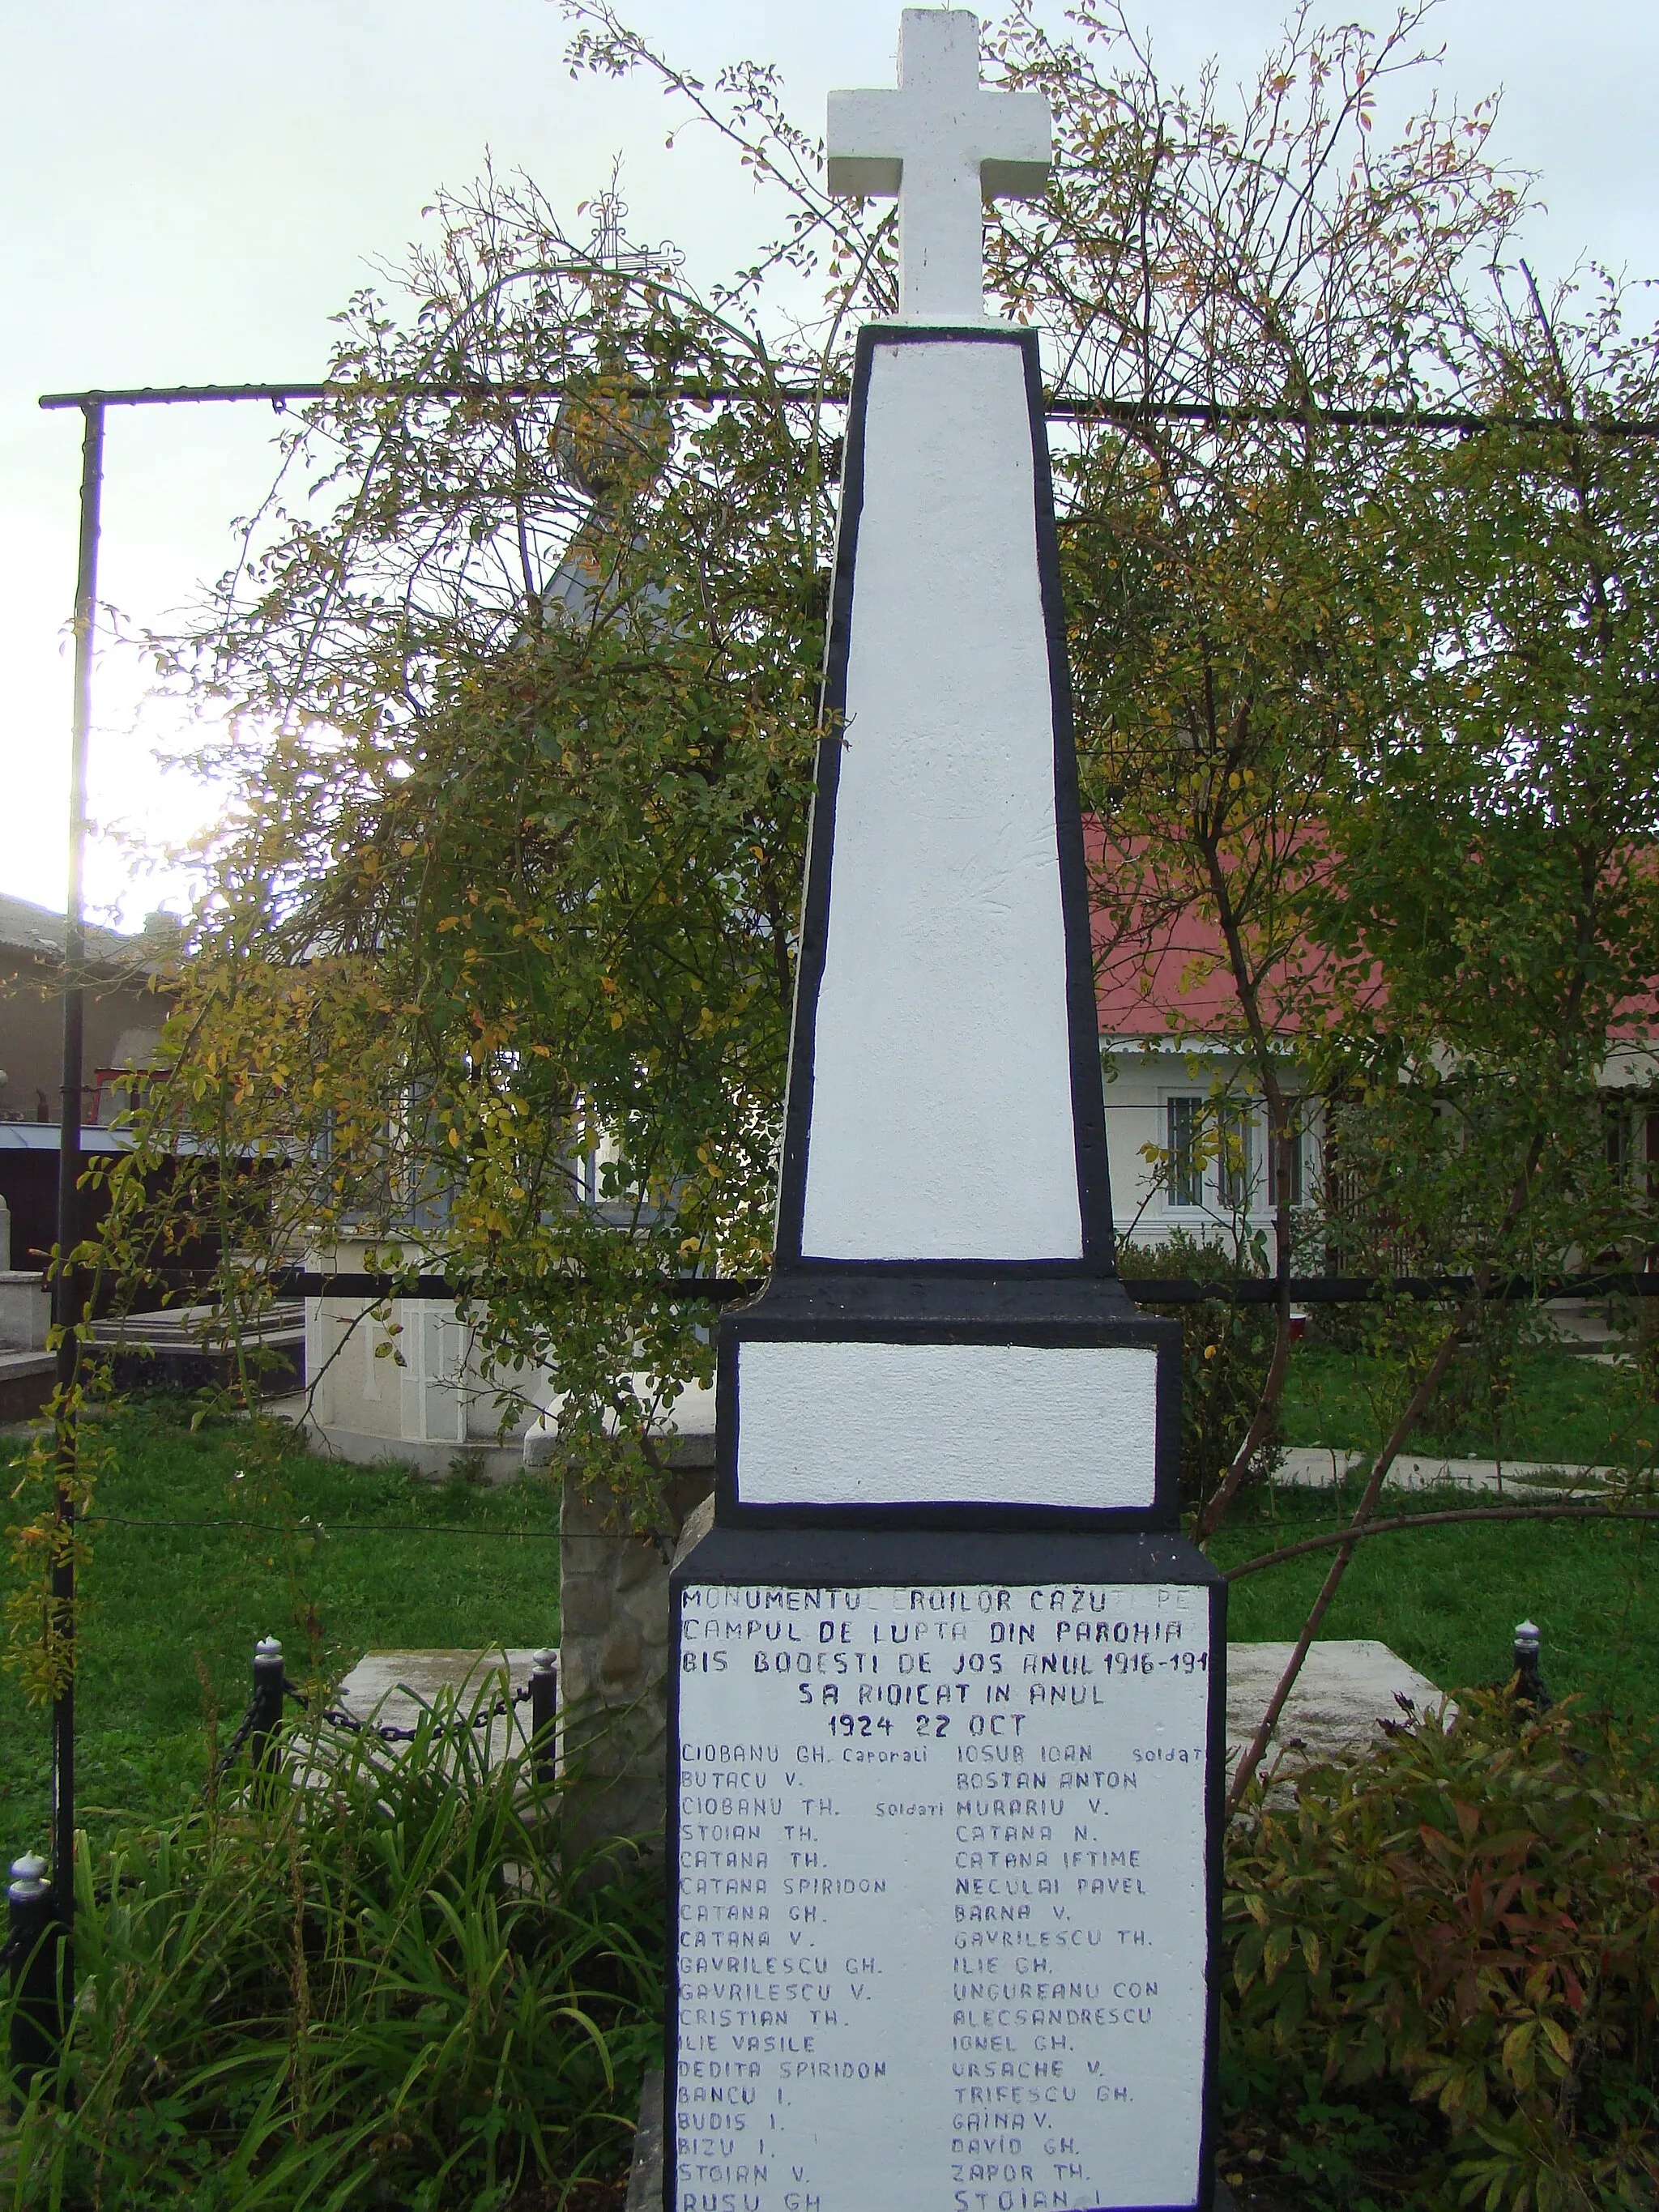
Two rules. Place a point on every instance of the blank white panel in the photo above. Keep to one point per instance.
(942, 1100)
(843, 1424)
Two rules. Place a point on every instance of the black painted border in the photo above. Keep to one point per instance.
(1088, 1098)
(1088, 1090)
(1215, 1816)
(1163, 1513)
(808, 1557)
(821, 829)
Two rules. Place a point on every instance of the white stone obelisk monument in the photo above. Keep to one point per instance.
(946, 1727)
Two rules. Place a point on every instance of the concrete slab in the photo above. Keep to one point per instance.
(686, 1438)
(495, 1464)
(391, 1688)
(1581, 1324)
(1321, 1466)
(25, 1310)
(188, 1347)
(1345, 1689)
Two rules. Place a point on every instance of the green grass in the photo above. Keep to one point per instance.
(171, 1613)
(1563, 1407)
(1447, 1599)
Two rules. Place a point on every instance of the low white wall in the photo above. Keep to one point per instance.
(25, 1312)
(407, 1386)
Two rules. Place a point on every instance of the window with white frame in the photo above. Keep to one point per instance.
(1219, 1155)
(1235, 1156)
(1286, 1152)
(1184, 1151)
(1617, 1145)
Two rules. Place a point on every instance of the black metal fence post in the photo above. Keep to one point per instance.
(269, 1680)
(68, 1288)
(1531, 1695)
(543, 1714)
(31, 1947)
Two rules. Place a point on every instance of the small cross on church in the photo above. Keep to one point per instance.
(944, 146)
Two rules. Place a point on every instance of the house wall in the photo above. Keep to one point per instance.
(1140, 1081)
(28, 1186)
(123, 1029)
(122, 1025)
(1139, 1086)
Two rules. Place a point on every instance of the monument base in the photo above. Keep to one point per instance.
(943, 1794)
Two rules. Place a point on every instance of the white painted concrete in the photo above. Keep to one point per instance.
(408, 1388)
(25, 1310)
(942, 1111)
(845, 1424)
(1103, 1806)
(943, 146)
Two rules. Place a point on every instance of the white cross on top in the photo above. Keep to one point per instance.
(944, 146)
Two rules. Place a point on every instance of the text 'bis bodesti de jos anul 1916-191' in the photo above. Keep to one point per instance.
(931, 1819)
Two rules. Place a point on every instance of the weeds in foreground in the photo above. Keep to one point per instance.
(1442, 1970)
(377, 1988)
(1441, 1989)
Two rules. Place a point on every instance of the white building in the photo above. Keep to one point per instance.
(1187, 1129)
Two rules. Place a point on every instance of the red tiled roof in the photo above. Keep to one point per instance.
(1167, 975)
(1159, 973)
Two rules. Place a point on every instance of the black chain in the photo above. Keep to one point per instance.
(337, 1716)
(350, 1724)
(227, 1757)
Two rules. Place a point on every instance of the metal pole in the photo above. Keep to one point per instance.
(543, 1715)
(264, 1741)
(66, 1285)
(1531, 1695)
(35, 2019)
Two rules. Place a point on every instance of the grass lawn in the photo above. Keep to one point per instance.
(1563, 1407)
(171, 1613)
(1447, 1599)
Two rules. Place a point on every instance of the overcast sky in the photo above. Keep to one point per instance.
(192, 187)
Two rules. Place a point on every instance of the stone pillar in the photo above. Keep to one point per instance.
(613, 1654)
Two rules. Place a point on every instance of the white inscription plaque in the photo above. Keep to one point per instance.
(941, 1936)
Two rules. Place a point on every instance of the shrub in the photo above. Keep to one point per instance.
(378, 1989)
(1225, 1351)
(1443, 1969)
